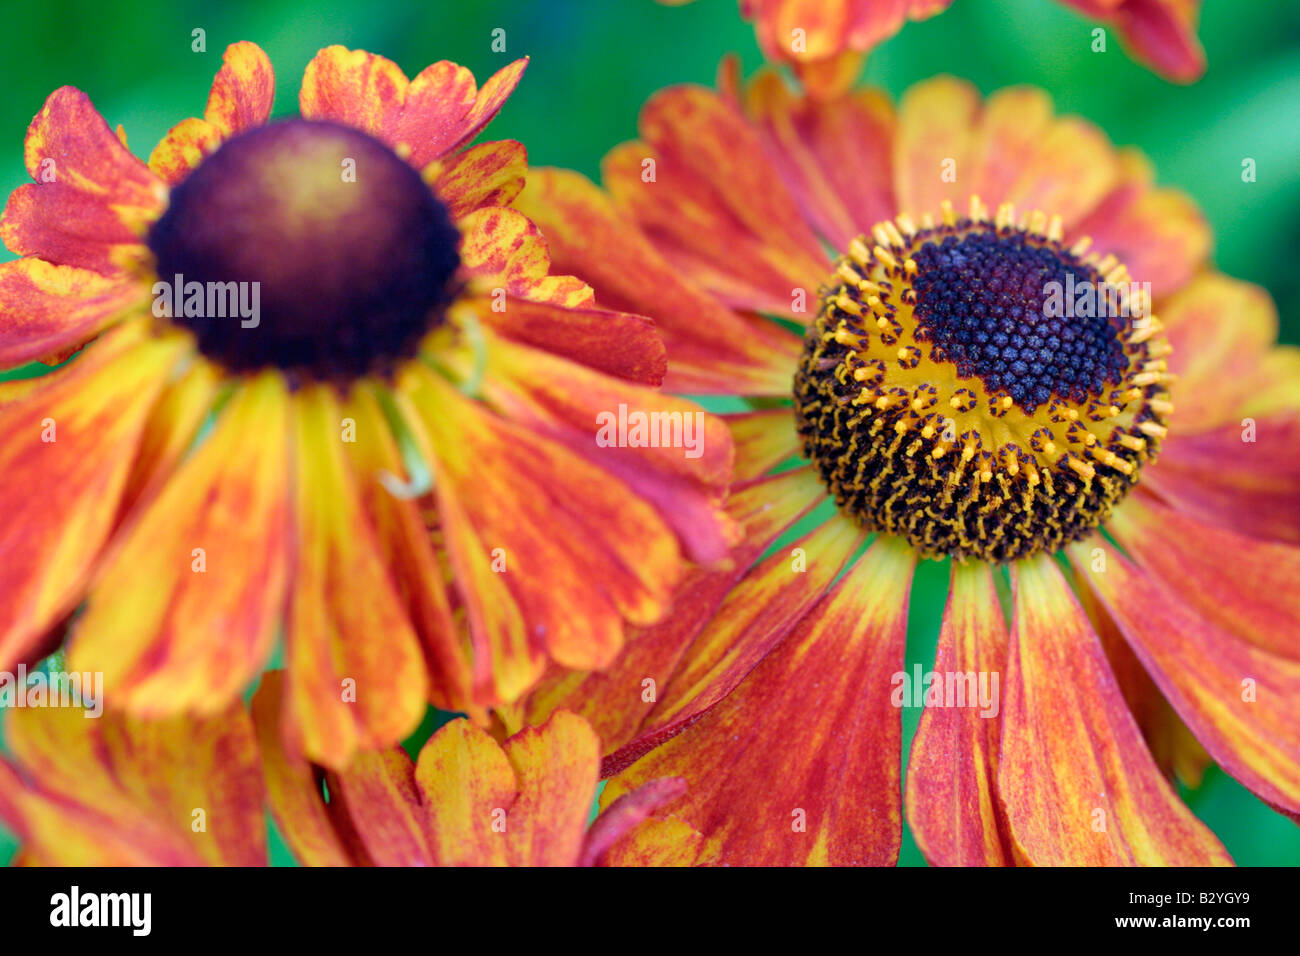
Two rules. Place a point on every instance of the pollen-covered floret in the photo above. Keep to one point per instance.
(949, 392)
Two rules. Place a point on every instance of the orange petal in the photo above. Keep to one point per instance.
(437, 112)
(241, 97)
(811, 34)
(1071, 168)
(408, 551)
(626, 813)
(753, 618)
(378, 793)
(712, 349)
(669, 841)
(682, 467)
(1159, 234)
(617, 700)
(616, 343)
(184, 609)
(952, 806)
(1220, 329)
(58, 831)
(557, 766)
(1078, 784)
(703, 190)
(48, 310)
(506, 658)
(1237, 698)
(773, 782)
(489, 174)
(66, 456)
(553, 524)
(502, 250)
(242, 91)
(174, 423)
(835, 154)
(92, 199)
(197, 780)
(467, 787)
(933, 149)
(293, 793)
(1252, 487)
(1010, 130)
(1242, 584)
(355, 671)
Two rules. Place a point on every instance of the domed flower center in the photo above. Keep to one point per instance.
(977, 387)
(308, 247)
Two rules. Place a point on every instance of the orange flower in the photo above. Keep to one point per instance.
(190, 791)
(946, 410)
(313, 341)
(824, 41)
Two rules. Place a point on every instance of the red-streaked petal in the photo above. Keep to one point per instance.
(433, 114)
(575, 547)
(502, 250)
(1070, 170)
(1078, 784)
(952, 804)
(355, 675)
(625, 814)
(377, 791)
(174, 423)
(241, 97)
(1220, 328)
(711, 348)
(835, 155)
(293, 793)
(1160, 235)
(1252, 487)
(91, 200)
(773, 781)
(1243, 585)
(58, 831)
(715, 206)
(489, 174)
(617, 343)
(752, 619)
(1237, 698)
(668, 841)
(67, 452)
(49, 311)
(186, 145)
(558, 767)
(619, 699)
(242, 91)
(468, 787)
(683, 472)
(184, 608)
(408, 551)
(198, 779)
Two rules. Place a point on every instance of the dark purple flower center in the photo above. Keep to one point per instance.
(308, 247)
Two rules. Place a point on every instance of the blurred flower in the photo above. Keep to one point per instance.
(315, 341)
(824, 41)
(119, 791)
(946, 410)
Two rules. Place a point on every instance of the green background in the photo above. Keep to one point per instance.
(595, 61)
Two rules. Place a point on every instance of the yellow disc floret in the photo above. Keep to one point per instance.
(978, 387)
